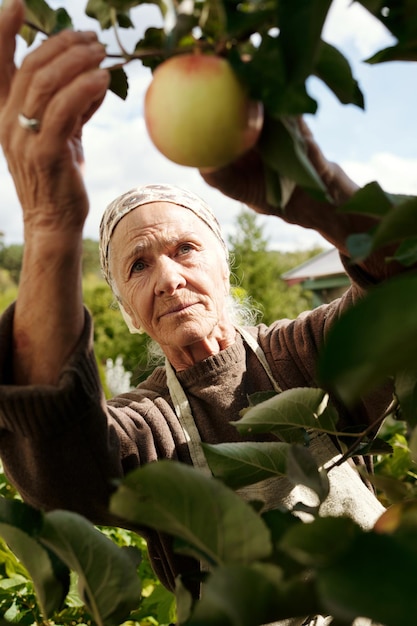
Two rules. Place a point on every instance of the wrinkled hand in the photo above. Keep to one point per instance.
(60, 84)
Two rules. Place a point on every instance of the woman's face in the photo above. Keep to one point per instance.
(171, 274)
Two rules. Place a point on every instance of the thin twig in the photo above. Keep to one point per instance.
(138, 54)
(351, 450)
(113, 17)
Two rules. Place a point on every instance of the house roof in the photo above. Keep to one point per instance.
(326, 263)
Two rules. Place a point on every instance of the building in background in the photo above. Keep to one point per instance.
(324, 275)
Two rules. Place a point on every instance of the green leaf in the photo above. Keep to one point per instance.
(302, 408)
(20, 526)
(406, 52)
(236, 596)
(279, 522)
(399, 223)
(399, 462)
(107, 578)
(373, 340)
(359, 246)
(177, 499)
(370, 200)
(375, 446)
(245, 18)
(398, 16)
(213, 19)
(62, 20)
(273, 186)
(246, 463)
(119, 83)
(181, 32)
(413, 444)
(262, 71)
(320, 542)
(282, 149)
(406, 253)
(334, 70)
(300, 26)
(406, 392)
(106, 12)
(397, 215)
(154, 39)
(101, 11)
(244, 596)
(394, 490)
(261, 396)
(302, 469)
(390, 599)
(160, 603)
(39, 13)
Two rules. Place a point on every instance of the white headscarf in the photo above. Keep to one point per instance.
(148, 194)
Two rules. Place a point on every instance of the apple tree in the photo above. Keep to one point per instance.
(273, 566)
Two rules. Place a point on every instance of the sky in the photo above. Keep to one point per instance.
(378, 143)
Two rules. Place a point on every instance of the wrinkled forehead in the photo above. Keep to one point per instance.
(148, 194)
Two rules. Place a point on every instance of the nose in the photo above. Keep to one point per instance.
(169, 276)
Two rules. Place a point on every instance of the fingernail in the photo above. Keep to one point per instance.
(100, 74)
(97, 49)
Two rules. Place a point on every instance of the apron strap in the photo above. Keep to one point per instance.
(182, 406)
(186, 420)
(256, 348)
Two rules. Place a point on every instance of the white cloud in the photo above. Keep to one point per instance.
(10, 212)
(349, 24)
(395, 174)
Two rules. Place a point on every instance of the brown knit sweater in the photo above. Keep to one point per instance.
(62, 446)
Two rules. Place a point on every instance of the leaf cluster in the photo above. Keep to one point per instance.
(60, 567)
(268, 564)
(274, 46)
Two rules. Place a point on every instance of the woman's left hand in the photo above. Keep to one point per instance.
(60, 84)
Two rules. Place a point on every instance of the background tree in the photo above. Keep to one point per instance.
(111, 335)
(91, 258)
(258, 271)
(11, 260)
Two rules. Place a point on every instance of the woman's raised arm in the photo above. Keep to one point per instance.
(59, 84)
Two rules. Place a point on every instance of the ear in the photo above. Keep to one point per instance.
(226, 275)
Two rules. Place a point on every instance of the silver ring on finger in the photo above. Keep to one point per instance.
(29, 123)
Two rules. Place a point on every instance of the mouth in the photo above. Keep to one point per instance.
(179, 308)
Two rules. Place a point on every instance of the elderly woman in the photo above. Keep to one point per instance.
(164, 256)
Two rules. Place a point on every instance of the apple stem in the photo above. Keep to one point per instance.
(113, 17)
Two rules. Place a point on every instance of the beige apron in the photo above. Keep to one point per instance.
(348, 494)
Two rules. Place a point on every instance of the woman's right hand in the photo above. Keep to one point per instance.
(61, 85)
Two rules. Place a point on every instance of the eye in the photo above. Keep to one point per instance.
(138, 266)
(184, 248)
